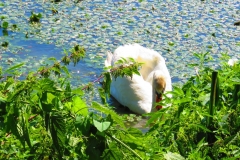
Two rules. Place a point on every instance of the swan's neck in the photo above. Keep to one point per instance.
(158, 87)
(158, 99)
(155, 99)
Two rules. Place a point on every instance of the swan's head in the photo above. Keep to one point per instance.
(159, 85)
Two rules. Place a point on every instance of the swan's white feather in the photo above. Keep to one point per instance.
(136, 93)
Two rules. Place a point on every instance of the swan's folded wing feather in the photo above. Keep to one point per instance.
(133, 93)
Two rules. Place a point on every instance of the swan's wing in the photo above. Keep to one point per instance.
(135, 93)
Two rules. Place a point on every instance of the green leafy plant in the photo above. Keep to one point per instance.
(4, 44)
(44, 117)
(47, 104)
(35, 18)
(5, 25)
(199, 125)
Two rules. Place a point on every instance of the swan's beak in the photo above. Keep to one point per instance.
(158, 99)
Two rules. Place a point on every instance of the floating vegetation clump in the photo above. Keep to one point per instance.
(35, 18)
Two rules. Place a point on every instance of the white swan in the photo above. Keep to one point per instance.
(140, 93)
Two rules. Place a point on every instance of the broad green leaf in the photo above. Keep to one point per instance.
(50, 97)
(79, 106)
(101, 126)
(173, 156)
(46, 101)
(58, 132)
(178, 90)
(78, 91)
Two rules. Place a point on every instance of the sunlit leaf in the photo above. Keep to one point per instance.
(101, 126)
(79, 106)
(173, 156)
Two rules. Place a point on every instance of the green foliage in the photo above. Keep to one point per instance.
(5, 25)
(44, 117)
(4, 44)
(77, 53)
(35, 18)
(125, 67)
(202, 122)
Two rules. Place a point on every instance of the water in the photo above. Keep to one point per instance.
(104, 25)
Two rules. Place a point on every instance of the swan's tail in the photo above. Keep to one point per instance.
(108, 59)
